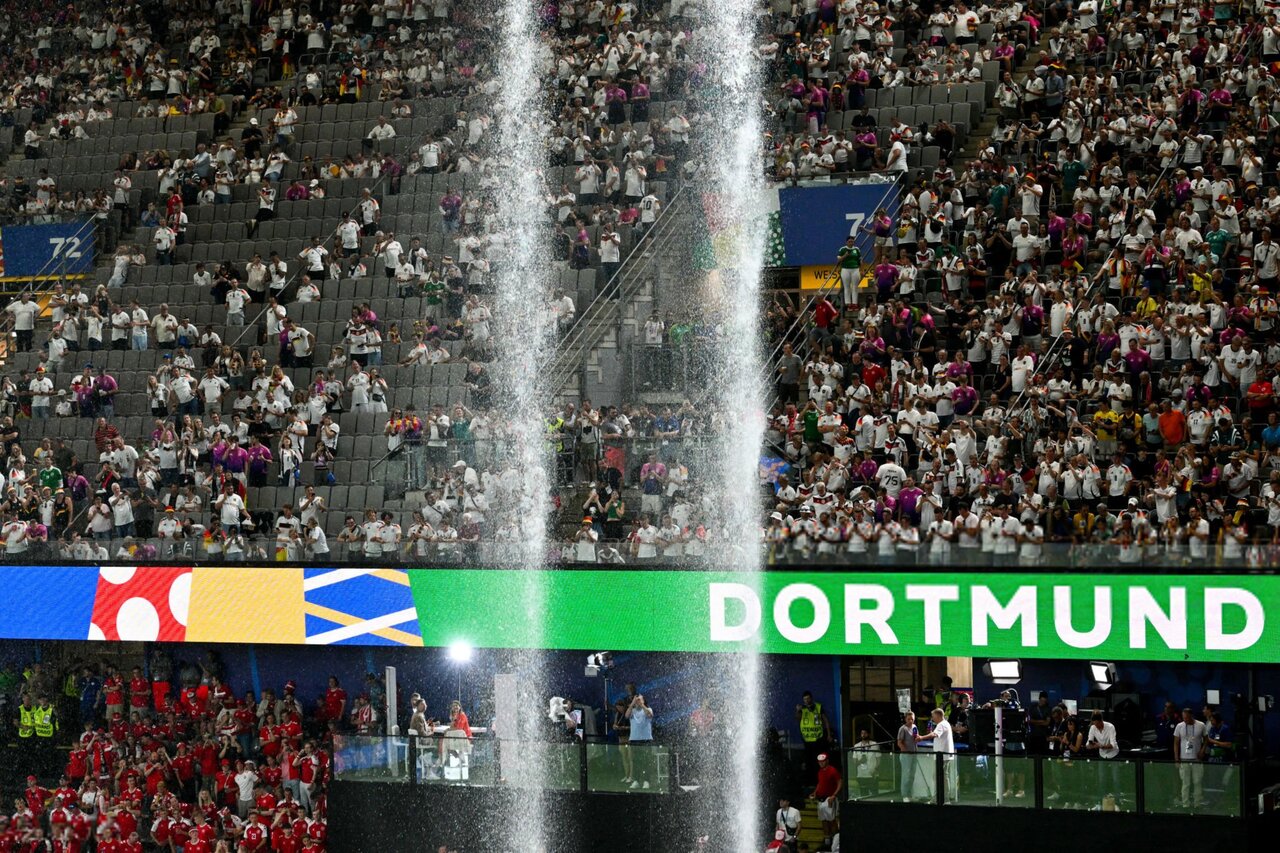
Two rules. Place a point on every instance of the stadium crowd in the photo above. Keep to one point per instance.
(244, 399)
(174, 760)
(1068, 338)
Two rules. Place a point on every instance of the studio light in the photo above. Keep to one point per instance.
(1103, 674)
(460, 652)
(1006, 671)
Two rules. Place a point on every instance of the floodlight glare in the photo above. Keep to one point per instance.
(1103, 674)
(460, 652)
(1003, 671)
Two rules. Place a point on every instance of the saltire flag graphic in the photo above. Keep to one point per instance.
(366, 607)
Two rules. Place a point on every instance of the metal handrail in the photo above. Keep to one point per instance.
(600, 303)
(574, 345)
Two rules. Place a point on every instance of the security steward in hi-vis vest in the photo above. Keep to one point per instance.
(27, 717)
(46, 726)
(815, 730)
(45, 723)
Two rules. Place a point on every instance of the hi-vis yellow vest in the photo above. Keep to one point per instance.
(44, 722)
(811, 723)
(26, 721)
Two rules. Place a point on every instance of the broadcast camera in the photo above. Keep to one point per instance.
(598, 663)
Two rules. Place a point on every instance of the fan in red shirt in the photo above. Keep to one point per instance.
(246, 720)
(220, 695)
(77, 765)
(206, 754)
(824, 314)
(139, 691)
(165, 799)
(192, 701)
(103, 758)
(256, 837)
(291, 729)
(65, 840)
(132, 843)
(65, 790)
(335, 700)
(184, 767)
(204, 830)
(59, 815)
(108, 840)
(113, 691)
(36, 796)
(288, 803)
(155, 771)
(283, 839)
(270, 773)
(226, 782)
(161, 828)
(269, 737)
(308, 770)
(872, 373)
(119, 727)
(196, 844)
(319, 830)
(131, 795)
(80, 826)
(265, 801)
(127, 823)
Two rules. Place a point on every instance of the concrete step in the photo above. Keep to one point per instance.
(810, 827)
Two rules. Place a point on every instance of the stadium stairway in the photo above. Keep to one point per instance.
(980, 136)
(810, 826)
(605, 323)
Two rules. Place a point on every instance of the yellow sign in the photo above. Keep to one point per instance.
(828, 278)
(820, 277)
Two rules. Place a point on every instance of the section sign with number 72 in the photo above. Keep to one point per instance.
(49, 250)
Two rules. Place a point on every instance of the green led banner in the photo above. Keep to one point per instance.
(975, 614)
(1176, 617)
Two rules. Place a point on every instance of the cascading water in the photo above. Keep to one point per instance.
(522, 286)
(524, 345)
(730, 127)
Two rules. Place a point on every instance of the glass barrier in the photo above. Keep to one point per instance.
(873, 772)
(632, 768)
(989, 780)
(261, 550)
(917, 777)
(541, 766)
(1095, 784)
(1052, 556)
(451, 759)
(455, 759)
(1192, 787)
(360, 758)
